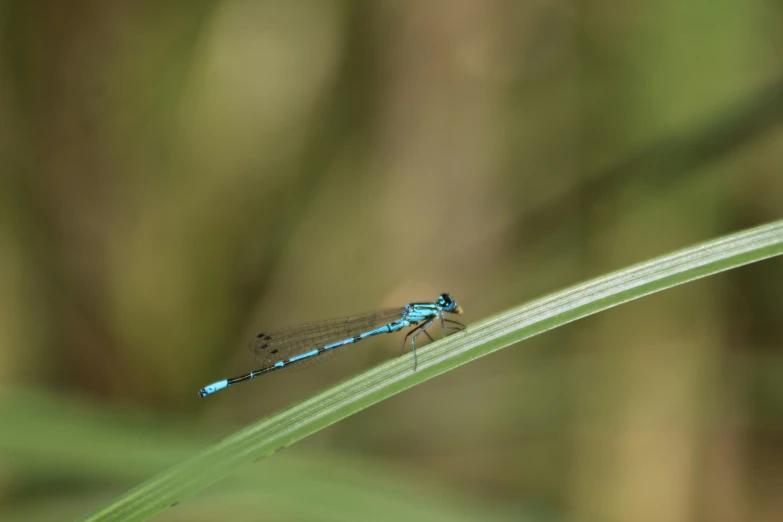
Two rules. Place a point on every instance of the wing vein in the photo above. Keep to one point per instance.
(277, 345)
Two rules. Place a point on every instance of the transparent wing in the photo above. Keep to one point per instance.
(276, 345)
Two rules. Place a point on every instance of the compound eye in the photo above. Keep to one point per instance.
(445, 299)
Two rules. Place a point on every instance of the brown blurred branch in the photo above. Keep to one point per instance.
(665, 161)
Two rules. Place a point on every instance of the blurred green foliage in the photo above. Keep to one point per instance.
(176, 175)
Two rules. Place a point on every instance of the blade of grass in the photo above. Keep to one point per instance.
(107, 446)
(284, 428)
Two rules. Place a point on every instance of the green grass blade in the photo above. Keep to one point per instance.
(105, 447)
(281, 429)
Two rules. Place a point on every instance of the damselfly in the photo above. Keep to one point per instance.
(312, 342)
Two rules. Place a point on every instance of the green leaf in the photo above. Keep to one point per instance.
(284, 428)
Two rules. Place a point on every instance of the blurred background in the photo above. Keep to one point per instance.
(177, 176)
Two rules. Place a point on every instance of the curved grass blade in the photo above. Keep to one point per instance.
(284, 428)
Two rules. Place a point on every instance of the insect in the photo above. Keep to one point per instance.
(318, 341)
